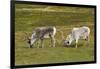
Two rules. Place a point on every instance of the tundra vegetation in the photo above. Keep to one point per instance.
(30, 16)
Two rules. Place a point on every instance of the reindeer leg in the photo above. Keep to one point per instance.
(38, 42)
(76, 41)
(42, 43)
(87, 41)
(53, 41)
(50, 41)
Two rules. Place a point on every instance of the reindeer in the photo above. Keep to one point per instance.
(76, 34)
(41, 33)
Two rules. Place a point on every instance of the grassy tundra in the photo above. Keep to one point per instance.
(28, 17)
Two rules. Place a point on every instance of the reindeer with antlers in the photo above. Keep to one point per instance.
(41, 33)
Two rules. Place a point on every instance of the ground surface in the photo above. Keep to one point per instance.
(28, 17)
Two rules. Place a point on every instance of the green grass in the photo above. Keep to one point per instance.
(28, 17)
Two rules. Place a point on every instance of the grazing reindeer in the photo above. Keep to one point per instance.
(40, 33)
(76, 34)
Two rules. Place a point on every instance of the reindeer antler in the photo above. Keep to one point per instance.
(26, 35)
(62, 34)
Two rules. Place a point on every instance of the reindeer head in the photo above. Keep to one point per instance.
(31, 40)
(68, 40)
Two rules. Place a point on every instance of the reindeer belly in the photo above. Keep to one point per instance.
(46, 36)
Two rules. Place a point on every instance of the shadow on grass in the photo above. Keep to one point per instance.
(73, 46)
(58, 45)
